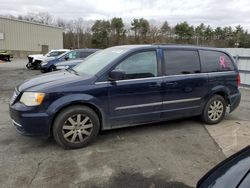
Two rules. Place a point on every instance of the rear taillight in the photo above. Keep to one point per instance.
(238, 79)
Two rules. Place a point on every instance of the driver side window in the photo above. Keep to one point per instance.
(139, 65)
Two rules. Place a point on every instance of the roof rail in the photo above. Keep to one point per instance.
(174, 44)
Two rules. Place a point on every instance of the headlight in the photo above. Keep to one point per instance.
(32, 98)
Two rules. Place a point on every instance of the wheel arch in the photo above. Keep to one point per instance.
(224, 95)
(92, 106)
(222, 91)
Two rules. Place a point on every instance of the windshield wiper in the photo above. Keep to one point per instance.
(72, 70)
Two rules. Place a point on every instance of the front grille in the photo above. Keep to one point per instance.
(14, 96)
(38, 61)
(30, 59)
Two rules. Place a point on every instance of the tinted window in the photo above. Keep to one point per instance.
(181, 62)
(82, 54)
(140, 65)
(212, 61)
(85, 54)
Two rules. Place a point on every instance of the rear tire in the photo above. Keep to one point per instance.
(75, 127)
(214, 110)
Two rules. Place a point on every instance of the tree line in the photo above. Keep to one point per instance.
(79, 33)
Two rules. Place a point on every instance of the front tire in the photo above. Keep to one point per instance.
(214, 111)
(37, 66)
(29, 66)
(52, 68)
(75, 127)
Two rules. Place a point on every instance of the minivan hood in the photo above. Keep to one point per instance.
(45, 81)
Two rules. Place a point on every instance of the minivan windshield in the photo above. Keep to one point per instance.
(63, 54)
(55, 53)
(96, 62)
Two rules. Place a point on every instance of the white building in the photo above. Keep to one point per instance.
(22, 37)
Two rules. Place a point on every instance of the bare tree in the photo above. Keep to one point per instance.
(44, 18)
(80, 33)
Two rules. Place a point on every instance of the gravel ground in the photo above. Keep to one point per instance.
(169, 154)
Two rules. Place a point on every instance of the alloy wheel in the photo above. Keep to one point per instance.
(77, 128)
(215, 110)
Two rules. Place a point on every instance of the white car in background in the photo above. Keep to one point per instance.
(35, 60)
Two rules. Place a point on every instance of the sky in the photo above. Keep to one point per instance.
(211, 12)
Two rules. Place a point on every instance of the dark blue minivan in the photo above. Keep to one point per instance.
(123, 86)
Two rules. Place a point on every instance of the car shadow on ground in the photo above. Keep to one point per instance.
(114, 134)
(150, 128)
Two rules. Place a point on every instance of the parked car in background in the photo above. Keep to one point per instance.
(67, 64)
(71, 63)
(4, 55)
(127, 85)
(49, 65)
(35, 60)
(234, 172)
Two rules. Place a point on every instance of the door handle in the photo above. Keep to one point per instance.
(155, 85)
(171, 83)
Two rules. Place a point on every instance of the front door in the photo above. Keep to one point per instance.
(184, 84)
(137, 98)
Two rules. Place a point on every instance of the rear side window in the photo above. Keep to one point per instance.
(85, 54)
(82, 54)
(212, 61)
(181, 62)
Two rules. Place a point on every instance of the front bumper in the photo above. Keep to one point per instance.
(29, 122)
(234, 101)
(45, 67)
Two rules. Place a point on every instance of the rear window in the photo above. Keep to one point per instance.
(212, 61)
(181, 62)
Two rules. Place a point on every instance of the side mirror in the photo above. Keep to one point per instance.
(116, 75)
(66, 58)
